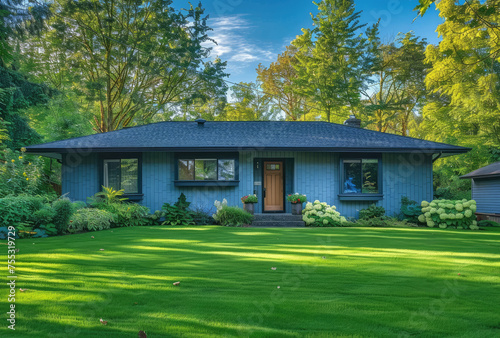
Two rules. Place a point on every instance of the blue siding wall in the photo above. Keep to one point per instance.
(80, 176)
(315, 174)
(486, 192)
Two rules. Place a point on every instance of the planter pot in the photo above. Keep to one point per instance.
(296, 208)
(249, 207)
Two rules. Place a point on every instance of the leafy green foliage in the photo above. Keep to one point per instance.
(384, 221)
(18, 18)
(450, 187)
(44, 216)
(232, 216)
(48, 229)
(22, 174)
(64, 210)
(16, 94)
(179, 213)
(108, 196)
(398, 88)
(449, 213)
(33, 213)
(278, 79)
(463, 103)
(371, 212)
(128, 75)
(320, 214)
(203, 217)
(332, 58)
(249, 104)
(488, 223)
(410, 210)
(18, 210)
(63, 116)
(90, 219)
(128, 214)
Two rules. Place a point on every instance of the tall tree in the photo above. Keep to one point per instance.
(18, 17)
(331, 58)
(249, 104)
(279, 80)
(130, 58)
(466, 69)
(399, 89)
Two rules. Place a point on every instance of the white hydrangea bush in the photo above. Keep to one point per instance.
(449, 213)
(320, 214)
(219, 206)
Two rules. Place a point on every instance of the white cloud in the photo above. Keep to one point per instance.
(234, 42)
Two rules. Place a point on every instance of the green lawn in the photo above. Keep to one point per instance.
(332, 281)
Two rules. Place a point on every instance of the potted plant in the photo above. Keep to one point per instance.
(296, 200)
(249, 203)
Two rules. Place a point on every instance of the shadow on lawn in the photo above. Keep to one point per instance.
(328, 280)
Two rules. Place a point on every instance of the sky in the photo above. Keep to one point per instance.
(253, 32)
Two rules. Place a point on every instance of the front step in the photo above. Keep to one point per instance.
(277, 220)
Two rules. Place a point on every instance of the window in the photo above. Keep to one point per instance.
(208, 169)
(122, 174)
(361, 176)
(272, 167)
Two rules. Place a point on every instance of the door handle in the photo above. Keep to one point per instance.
(264, 193)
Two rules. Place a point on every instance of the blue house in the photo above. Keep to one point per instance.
(486, 191)
(343, 165)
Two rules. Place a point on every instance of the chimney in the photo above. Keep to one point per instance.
(352, 121)
(201, 122)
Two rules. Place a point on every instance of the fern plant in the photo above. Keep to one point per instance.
(110, 195)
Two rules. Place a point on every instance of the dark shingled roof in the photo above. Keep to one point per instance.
(492, 170)
(255, 135)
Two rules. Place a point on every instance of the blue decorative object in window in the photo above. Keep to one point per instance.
(361, 176)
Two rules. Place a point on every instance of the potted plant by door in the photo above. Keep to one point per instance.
(249, 203)
(296, 200)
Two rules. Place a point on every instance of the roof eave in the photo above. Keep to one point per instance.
(84, 151)
(480, 176)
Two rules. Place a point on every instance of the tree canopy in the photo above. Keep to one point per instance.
(130, 59)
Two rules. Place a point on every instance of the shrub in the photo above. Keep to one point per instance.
(449, 213)
(22, 174)
(179, 213)
(373, 222)
(46, 230)
(385, 221)
(19, 209)
(64, 210)
(488, 223)
(371, 212)
(203, 217)
(410, 210)
(44, 216)
(90, 219)
(128, 214)
(320, 214)
(232, 216)
(296, 198)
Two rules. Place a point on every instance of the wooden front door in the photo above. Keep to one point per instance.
(273, 186)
